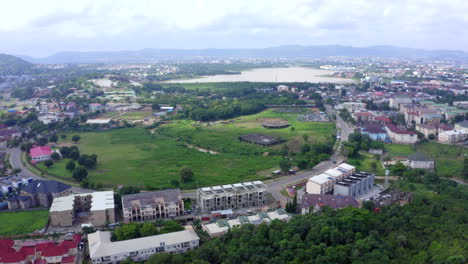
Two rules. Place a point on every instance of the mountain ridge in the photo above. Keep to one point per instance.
(287, 51)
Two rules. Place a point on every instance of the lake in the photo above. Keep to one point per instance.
(290, 74)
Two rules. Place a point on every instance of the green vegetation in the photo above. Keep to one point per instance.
(11, 65)
(133, 156)
(17, 223)
(431, 229)
(448, 158)
(136, 230)
(363, 162)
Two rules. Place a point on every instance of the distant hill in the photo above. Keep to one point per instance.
(11, 65)
(149, 55)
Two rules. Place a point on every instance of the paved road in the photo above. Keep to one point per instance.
(15, 161)
(345, 128)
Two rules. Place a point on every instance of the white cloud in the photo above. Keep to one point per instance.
(418, 23)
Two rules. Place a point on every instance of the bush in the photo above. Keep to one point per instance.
(48, 163)
(186, 174)
(80, 174)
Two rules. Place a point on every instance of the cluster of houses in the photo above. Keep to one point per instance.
(7, 134)
(40, 252)
(426, 117)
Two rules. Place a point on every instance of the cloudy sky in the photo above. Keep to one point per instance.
(40, 28)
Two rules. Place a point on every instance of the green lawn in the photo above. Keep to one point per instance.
(135, 115)
(17, 223)
(133, 156)
(448, 158)
(363, 163)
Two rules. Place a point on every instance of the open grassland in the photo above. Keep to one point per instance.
(448, 158)
(363, 162)
(222, 136)
(133, 156)
(18, 223)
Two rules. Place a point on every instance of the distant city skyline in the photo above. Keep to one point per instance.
(42, 28)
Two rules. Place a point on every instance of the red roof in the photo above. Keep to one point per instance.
(54, 251)
(40, 261)
(28, 251)
(397, 130)
(4, 243)
(363, 114)
(69, 244)
(379, 94)
(77, 238)
(12, 257)
(445, 127)
(42, 246)
(40, 151)
(383, 118)
(70, 259)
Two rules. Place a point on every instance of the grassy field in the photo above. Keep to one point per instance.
(448, 158)
(17, 223)
(134, 156)
(363, 163)
(223, 136)
(135, 115)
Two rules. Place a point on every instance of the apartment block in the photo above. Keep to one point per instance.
(232, 196)
(95, 208)
(152, 205)
(103, 250)
(357, 184)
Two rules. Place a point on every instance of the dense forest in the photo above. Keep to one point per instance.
(430, 229)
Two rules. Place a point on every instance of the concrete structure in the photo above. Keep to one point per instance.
(102, 250)
(41, 193)
(375, 132)
(452, 136)
(400, 136)
(221, 226)
(462, 126)
(232, 196)
(355, 185)
(420, 161)
(152, 205)
(314, 202)
(40, 153)
(282, 88)
(397, 101)
(98, 207)
(353, 106)
(324, 182)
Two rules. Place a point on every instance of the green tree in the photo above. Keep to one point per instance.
(76, 138)
(171, 226)
(373, 166)
(431, 137)
(70, 165)
(398, 169)
(186, 174)
(53, 138)
(305, 137)
(285, 165)
(48, 163)
(55, 156)
(80, 173)
(148, 229)
(125, 232)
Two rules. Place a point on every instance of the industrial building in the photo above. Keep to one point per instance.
(95, 208)
(103, 250)
(232, 196)
(152, 205)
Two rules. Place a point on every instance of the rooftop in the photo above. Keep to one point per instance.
(100, 244)
(42, 186)
(150, 198)
(99, 201)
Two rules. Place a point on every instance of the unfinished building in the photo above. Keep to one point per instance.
(232, 196)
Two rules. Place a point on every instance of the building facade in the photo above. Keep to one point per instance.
(354, 185)
(97, 207)
(400, 136)
(232, 196)
(103, 250)
(152, 205)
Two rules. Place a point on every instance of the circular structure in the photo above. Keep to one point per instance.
(274, 123)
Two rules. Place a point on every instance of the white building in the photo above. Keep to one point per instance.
(452, 136)
(400, 136)
(420, 161)
(283, 88)
(324, 182)
(353, 106)
(102, 250)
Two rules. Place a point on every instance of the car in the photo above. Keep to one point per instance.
(334, 162)
(292, 171)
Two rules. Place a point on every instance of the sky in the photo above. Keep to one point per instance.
(41, 28)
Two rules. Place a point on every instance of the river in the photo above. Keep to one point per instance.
(290, 74)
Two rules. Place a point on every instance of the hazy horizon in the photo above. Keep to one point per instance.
(42, 28)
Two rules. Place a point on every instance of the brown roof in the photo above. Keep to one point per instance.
(333, 201)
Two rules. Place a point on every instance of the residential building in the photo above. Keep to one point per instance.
(221, 226)
(95, 107)
(397, 101)
(353, 106)
(314, 202)
(103, 250)
(152, 205)
(375, 132)
(401, 136)
(462, 126)
(282, 88)
(324, 182)
(427, 129)
(357, 184)
(98, 206)
(40, 153)
(363, 117)
(232, 196)
(40, 193)
(420, 161)
(452, 136)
